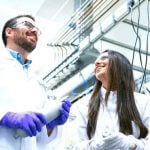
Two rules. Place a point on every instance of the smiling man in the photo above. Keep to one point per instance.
(21, 35)
(22, 97)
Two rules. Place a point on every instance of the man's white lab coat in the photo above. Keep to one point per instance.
(18, 93)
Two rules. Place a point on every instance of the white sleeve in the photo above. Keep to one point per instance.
(52, 142)
(143, 104)
(43, 138)
(80, 140)
(147, 145)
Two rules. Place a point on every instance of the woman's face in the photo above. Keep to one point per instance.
(101, 68)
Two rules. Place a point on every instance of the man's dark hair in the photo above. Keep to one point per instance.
(10, 23)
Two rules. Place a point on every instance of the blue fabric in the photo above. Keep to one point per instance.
(19, 58)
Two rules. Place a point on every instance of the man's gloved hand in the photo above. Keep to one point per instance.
(63, 116)
(30, 122)
(120, 141)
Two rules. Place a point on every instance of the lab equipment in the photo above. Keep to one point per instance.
(61, 119)
(49, 112)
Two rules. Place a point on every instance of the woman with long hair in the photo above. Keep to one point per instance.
(116, 117)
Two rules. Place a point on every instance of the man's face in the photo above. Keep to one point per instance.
(25, 34)
(101, 67)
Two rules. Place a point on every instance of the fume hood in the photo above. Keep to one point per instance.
(119, 25)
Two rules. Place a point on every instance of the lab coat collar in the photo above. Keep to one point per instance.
(19, 58)
(111, 94)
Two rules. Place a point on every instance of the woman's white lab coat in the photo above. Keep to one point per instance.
(18, 93)
(107, 121)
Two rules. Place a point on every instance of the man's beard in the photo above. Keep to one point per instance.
(23, 43)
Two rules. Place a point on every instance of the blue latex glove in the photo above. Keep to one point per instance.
(63, 116)
(30, 122)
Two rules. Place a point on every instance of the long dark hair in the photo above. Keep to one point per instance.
(121, 75)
